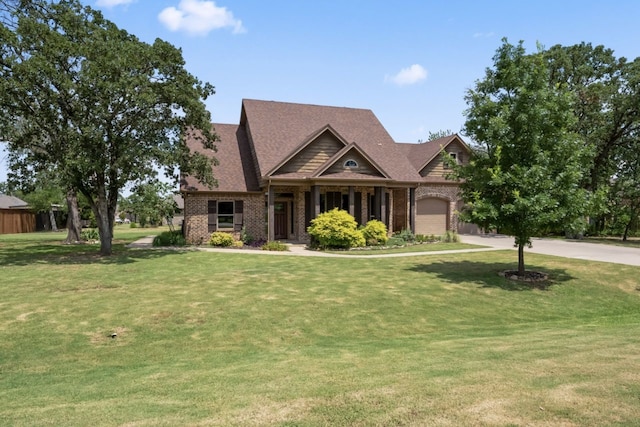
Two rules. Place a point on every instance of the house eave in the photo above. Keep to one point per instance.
(327, 181)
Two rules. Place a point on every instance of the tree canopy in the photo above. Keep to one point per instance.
(607, 101)
(606, 92)
(526, 176)
(150, 203)
(97, 105)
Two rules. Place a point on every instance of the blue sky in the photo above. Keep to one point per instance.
(409, 61)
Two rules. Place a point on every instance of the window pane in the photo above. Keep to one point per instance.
(225, 221)
(225, 208)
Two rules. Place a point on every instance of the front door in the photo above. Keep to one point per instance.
(280, 220)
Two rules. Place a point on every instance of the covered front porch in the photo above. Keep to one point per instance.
(290, 208)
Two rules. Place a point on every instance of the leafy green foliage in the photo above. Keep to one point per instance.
(375, 233)
(245, 237)
(274, 245)
(625, 190)
(606, 90)
(406, 235)
(526, 178)
(150, 203)
(607, 94)
(336, 229)
(97, 105)
(439, 134)
(424, 238)
(90, 235)
(169, 238)
(221, 239)
(450, 237)
(396, 241)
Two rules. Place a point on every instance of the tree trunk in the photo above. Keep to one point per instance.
(632, 217)
(104, 228)
(521, 270)
(52, 219)
(74, 227)
(625, 235)
(105, 216)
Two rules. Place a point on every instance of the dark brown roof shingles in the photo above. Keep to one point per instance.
(278, 128)
(235, 171)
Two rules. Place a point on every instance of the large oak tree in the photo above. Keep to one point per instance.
(91, 101)
(525, 176)
(607, 106)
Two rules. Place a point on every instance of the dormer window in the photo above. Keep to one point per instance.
(350, 164)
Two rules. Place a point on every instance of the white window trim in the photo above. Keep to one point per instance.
(346, 165)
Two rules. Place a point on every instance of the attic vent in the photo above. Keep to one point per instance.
(350, 164)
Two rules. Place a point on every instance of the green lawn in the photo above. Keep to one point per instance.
(426, 247)
(219, 339)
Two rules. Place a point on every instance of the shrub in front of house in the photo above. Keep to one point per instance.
(375, 233)
(395, 241)
(336, 229)
(451, 237)
(275, 246)
(221, 239)
(169, 238)
(245, 237)
(407, 236)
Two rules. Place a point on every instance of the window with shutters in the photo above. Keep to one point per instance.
(225, 215)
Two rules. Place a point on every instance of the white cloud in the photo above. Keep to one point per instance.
(408, 76)
(112, 3)
(198, 18)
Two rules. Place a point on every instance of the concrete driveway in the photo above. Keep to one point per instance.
(562, 248)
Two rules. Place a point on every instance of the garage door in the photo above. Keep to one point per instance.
(431, 216)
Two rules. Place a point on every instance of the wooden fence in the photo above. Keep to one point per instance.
(17, 221)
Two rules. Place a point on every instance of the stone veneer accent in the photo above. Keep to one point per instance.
(196, 225)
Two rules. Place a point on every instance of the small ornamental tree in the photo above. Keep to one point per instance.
(336, 229)
(525, 178)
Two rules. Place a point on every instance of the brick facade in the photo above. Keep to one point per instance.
(196, 215)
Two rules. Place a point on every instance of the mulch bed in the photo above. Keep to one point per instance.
(529, 276)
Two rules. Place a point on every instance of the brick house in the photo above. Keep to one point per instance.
(286, 163)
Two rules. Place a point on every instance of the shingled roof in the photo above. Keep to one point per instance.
(278, 128)
(235, 171)
(12, 202)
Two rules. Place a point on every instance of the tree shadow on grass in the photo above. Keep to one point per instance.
(62, 254)
(486, 275)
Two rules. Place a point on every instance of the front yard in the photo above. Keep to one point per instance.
(218, 339)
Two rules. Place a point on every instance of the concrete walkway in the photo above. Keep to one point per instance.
(492, 242)
(300, 249)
